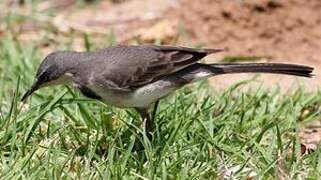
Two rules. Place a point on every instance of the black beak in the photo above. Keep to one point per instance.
(33, 88)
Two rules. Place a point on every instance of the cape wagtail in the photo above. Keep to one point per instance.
(139, 76)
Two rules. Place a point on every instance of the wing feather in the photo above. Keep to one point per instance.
(130, 67)
(169, 60)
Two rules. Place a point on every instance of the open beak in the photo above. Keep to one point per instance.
(33, 88)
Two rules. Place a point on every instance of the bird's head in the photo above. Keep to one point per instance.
(54, 70)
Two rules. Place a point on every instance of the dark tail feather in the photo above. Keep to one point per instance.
(199, 71)
(274, 68)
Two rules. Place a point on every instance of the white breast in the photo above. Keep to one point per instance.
(142, 97)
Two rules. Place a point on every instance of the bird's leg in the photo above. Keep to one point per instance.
(148, 123)
(155, 110)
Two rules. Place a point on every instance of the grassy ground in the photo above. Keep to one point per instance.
(200, 133)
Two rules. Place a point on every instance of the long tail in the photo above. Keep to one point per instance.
(200, 71)
(275, 68)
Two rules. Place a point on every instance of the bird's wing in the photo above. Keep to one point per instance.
(130, 67)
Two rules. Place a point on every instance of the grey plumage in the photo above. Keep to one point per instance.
(129, 67)
(138, 76)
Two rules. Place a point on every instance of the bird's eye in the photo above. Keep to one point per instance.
(43, 77)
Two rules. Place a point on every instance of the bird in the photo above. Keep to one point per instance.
(139, 76)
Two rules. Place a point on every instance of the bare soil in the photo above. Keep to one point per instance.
(284, 31)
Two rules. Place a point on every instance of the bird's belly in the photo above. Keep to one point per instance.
(142, 97)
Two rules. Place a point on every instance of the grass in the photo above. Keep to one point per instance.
(201, 133)
(233, 59)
